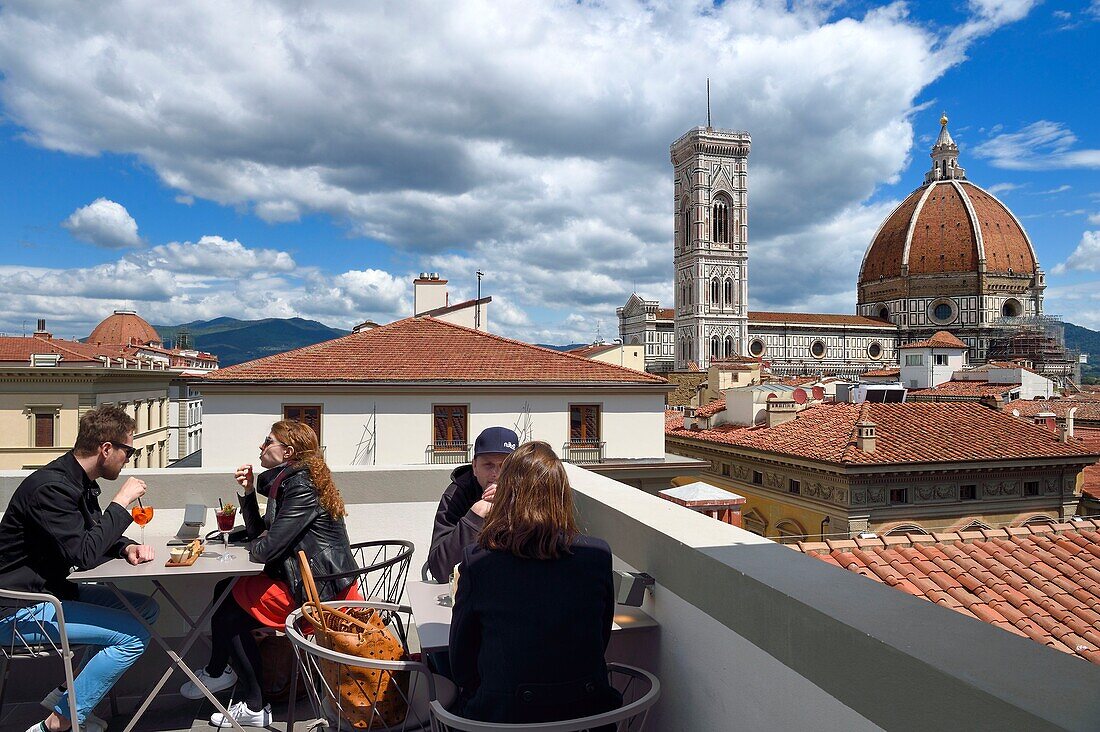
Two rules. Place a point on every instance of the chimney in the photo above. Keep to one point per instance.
(40, 331)
(781, 410)
(1047, 420)
(865, 435)
(366, 325)
(429, 293)
(1069, 421)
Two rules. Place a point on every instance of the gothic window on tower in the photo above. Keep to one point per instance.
(686, 216)
(714, 346)
(720, 220)
(729, 292)
(729, 346)
(714, 292)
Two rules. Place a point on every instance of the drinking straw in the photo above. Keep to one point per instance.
(221, 505)
(140, 505)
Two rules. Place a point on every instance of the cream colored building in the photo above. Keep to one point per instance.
(618, 354)
(40, 407)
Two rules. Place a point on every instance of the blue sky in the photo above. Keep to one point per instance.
(253, 160)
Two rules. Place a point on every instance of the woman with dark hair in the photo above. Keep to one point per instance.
(304, 512)
(534, 604)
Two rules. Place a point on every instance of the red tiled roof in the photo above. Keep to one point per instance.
(20, 349)
(666, 314)
(976, 389)
(882, 372)
(1090, 438)
(1041, 582)
(941, 339)
(593, 350)
(427, 349)
(915, 432)
(1087, 409)
(756, 316)
(711, 408)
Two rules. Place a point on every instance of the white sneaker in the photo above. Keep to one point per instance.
(91, 724)
(213, 683)
(243, 715)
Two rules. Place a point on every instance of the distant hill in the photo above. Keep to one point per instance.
(236, 341)
(1086, 341)
(568, 347)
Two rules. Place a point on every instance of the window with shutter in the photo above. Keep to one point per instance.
(43, 429)
(309, 414)
(449, 426)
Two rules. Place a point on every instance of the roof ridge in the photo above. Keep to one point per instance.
(654, 378)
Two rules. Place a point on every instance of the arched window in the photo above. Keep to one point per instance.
(884, 313)
(729, 292)
(1038, 520)
(1011, 309)
(906, 529)
(729, 346)
(720, 220)
(714, 292)
(685, 213)
(790, 531)
(714, 346)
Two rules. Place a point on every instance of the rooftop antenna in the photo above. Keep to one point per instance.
(599, 333)
(708, 102)
(477, 303)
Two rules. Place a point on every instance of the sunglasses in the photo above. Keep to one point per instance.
(128, 449)
(271, 441)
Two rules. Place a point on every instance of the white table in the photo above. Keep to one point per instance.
(431, 605)
(207, 565)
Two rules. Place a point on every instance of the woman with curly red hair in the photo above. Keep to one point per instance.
(305, 512)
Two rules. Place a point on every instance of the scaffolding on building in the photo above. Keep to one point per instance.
(1038, 342)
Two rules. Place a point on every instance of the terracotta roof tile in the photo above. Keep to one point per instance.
(123, 328)
(882, 372)
(20, 349)
(427, 349)
(975, 389)
(1039, 585)
(711, 408)
(592, 350)
(666, 314)
(756, 316)
(1088, 410)
(929, 432)
(940, 339)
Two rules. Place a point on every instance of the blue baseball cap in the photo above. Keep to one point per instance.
(496, 441)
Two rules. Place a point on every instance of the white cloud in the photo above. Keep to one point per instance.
(998, 188)
(1042, 145)
(185, 200)
(215, 255)
(1085, 257)
(1094, 218)
(531, 141)
(1057, 189)
(104, 223)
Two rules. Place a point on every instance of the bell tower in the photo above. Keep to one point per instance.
(711, 244)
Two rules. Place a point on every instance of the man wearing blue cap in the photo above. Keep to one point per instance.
(467, 500)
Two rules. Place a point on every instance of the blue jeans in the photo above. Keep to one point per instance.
(99, 620)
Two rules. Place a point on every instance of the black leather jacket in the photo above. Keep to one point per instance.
(295, 521)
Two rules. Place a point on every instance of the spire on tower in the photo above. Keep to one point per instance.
(945, 157)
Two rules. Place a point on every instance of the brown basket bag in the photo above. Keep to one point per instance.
(368, 697)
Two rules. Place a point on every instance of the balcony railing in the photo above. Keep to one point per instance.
(447, 452)
(581, 452)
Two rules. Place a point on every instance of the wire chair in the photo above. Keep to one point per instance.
(640, 690)
(33, 637)
(383, 569)
(328, 675)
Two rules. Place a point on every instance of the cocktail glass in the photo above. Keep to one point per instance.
(142, 515)
(226, 519)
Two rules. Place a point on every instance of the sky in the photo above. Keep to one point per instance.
(275, 159)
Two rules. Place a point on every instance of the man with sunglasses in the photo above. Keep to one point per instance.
(54, 525)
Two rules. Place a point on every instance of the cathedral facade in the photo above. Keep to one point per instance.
(950, 257)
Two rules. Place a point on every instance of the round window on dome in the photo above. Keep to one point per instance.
(942, 312)
(817, 349)
(756, 347)
(884, 313)
(875, 350)
(1011, 308)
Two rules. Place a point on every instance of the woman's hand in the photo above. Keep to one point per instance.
(245, 478)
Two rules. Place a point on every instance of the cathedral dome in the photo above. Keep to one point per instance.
(948, 226)
(124, 328)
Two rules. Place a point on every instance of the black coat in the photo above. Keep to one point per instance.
(456, 526)
(528, 636)
(295, 521)
(53, 526)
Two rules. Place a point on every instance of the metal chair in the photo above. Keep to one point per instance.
(383, 569)
(640, 690)
(32, 637)
(410, 680)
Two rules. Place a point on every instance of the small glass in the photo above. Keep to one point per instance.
(226, 517)
(142, 515)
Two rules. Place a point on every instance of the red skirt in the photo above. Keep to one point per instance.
(269, 600)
